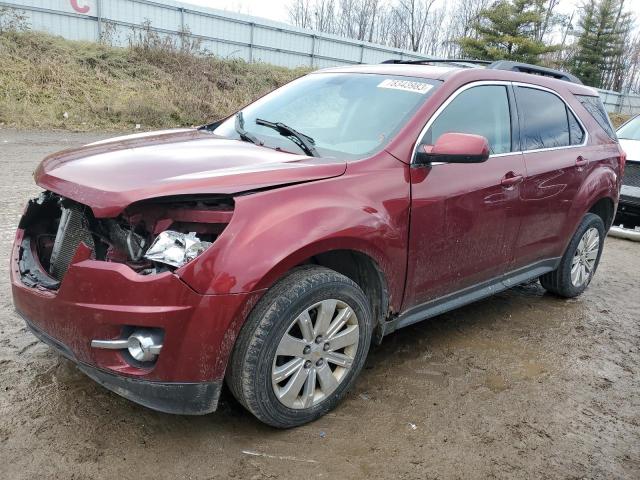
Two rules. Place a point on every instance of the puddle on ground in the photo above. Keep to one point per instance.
(496, 383)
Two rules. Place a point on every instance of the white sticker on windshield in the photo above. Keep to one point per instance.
(406, 85)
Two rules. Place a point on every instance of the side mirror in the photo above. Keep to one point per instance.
(454, 148)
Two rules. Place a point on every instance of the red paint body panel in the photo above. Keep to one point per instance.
(431, 230)
(97, 299)
(461, 144)
(366, 210)
(558, 190)
(109, 176)
(464, 225)
(548, 192)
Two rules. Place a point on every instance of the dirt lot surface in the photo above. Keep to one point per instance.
(522, 385)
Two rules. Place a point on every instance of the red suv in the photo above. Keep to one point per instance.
(271, 248)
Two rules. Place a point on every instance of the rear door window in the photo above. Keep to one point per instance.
(481, 110)
(576, 133)
(544, 122)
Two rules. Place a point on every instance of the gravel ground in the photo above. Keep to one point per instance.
(522, 385)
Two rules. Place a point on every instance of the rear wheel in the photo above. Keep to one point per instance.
(301, 348)
(580, 261)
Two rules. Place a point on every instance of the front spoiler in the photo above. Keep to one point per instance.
(182, 398)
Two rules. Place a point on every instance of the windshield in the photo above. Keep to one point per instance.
(352, 115)
(630, 130)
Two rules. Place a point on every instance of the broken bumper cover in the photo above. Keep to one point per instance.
(197, 398)
(103, 300)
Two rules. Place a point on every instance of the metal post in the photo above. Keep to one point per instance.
(362, 53)
(313, 49)
(251, 28)
(99, 15)
(619, 102)
(625, 95)
(182, 32)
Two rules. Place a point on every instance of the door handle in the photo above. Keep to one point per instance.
(581, 161)
(511, 179)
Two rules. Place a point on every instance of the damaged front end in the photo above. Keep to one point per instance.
(149, 237)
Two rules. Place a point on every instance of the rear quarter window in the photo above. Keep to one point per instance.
(594, 106)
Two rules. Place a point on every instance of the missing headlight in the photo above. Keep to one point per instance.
(175, 248)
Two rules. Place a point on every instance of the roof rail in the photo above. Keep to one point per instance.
(437, 60)
(534, 69)
(497, 65)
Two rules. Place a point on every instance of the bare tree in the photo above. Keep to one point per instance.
(566, 50)
(614, 78)
(324, 16)
(414, 15)
(300, 13)
(462, 17)
(434, 37)
(411, 24)
(434, 28)
(633, 72)
(546, 10)
(389, 29)
(375, 10)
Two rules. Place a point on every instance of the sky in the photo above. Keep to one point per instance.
(277, 9)
(271, 9)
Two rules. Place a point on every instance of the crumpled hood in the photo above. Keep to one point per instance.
(112, 174)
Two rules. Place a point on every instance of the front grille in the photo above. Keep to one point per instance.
(73, 229)
(631, 174)
(629, 201)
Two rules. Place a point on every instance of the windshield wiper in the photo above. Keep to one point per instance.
(244, 135)
(305, 142)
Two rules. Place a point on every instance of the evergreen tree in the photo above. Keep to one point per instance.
(604, 27)
(508, 30)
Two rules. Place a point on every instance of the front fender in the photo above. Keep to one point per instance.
(273, 231)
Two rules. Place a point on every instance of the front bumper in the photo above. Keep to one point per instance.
(100, 300)
(196, 398)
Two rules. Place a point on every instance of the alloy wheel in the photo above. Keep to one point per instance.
(315, 354)
(584, 260)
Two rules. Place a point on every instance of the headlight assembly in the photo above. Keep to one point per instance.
(175, 248)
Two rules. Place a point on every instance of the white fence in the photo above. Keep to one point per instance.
(620, 102)
(222, 33)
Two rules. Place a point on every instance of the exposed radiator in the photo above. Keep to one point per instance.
(72, 230)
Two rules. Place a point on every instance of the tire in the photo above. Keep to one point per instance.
(563, 281)
(259, 362)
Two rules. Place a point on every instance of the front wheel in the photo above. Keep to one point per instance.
(580, 261)
(301, 348)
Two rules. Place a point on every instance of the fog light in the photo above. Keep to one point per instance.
(144, 346)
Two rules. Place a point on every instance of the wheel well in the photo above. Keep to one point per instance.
(604, 209)
(364, 271)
